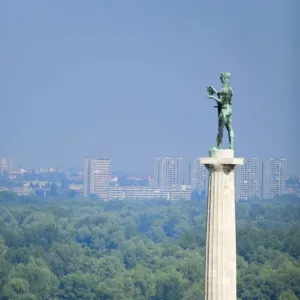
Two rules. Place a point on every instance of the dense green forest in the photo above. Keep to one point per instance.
(54, 248)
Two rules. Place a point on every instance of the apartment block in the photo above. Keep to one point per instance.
(97, 177)
(198, 176)
(168, 172)
(149, 193)
(273, 177)
(247, 180)
(5, 165)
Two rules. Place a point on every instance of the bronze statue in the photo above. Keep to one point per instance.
(223, 98)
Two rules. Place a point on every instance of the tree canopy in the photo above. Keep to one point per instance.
(56, 248)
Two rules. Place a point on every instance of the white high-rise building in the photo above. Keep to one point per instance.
(168, 172)
(273, 177)
(97, 177)
(198, 176)
(247, 179)
(5, 165)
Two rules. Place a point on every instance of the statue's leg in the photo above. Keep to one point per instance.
(230, 132)
(220, 132)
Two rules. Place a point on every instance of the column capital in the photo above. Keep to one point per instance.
(221, 161)
(226, 168)
(221, 157)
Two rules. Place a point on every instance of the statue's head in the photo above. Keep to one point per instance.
(225, 77)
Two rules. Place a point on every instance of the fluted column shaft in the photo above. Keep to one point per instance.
(220, 273)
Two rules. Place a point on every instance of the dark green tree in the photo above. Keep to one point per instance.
(53, 190)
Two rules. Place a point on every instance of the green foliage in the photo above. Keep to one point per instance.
(55, 248)
(288, 295)
(77, 286)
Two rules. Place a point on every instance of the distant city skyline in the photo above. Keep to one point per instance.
(186, 169)
(257, 178)
(127, 80)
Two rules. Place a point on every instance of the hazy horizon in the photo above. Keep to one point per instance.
(126, 80)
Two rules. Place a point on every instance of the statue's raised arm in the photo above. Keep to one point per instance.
(223, 97)
(211, 90)
(212, 93)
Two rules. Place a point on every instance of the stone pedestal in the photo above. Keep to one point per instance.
(220, 273)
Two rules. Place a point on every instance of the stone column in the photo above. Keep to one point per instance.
(220, 273)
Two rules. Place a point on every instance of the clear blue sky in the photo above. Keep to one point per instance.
(127, 79)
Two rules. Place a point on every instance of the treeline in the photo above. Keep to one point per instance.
(54, 248)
